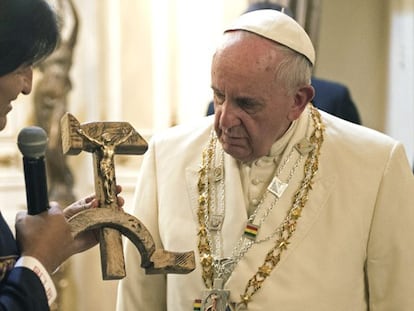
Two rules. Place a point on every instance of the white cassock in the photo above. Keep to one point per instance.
(353, 247)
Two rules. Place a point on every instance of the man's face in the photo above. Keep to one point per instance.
(11, 85)
(252, 110)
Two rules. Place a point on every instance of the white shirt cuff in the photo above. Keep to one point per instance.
(35, 265)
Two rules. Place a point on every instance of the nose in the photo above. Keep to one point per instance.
(228, 115)
(27, 79)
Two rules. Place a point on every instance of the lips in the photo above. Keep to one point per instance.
(8, 108)
(5, 109)
(231, 140)
(234, 136)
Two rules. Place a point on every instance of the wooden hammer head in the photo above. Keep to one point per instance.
(73, 143)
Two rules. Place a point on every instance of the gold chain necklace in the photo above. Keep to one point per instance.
(284, 231)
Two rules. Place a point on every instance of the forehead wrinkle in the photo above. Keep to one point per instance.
(241, 57)
(250, 49)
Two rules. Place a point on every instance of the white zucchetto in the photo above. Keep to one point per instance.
(276, 26)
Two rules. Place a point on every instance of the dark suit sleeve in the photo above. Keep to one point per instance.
(22, 290)
(334, 98)
(210, 108)
(347, 109)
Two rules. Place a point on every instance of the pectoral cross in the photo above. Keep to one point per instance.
(216, 299)
(104, 140)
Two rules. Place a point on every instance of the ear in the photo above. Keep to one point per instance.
(27, 79)
(301, 98)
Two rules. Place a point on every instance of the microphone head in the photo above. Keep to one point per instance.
(32, 142)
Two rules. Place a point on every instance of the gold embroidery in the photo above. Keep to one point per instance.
(6, 264)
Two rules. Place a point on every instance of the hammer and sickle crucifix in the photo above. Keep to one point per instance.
(104, 140)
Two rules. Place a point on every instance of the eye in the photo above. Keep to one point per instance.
(218, 98)
(249, 105)
(22, 69)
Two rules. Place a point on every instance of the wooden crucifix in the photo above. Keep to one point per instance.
(104, 140)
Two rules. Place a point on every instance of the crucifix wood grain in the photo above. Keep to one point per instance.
(104, 140)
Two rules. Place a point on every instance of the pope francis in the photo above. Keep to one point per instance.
(286, 207)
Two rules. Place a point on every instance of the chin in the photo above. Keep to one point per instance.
(3, 122)
(237, 153)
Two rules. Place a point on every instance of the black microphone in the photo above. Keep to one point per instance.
(32, 142)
